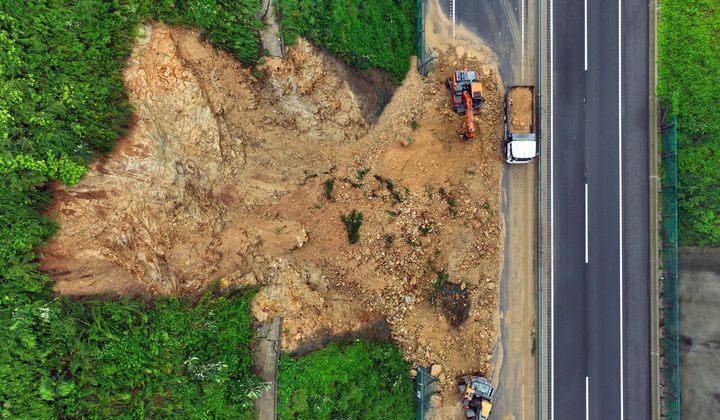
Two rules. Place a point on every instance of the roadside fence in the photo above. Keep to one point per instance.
(670, 347)
(425, 54)
(425, 387)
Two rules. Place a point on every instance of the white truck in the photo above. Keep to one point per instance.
(520, 143)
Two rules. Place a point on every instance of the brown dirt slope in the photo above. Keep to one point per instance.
(229, 176)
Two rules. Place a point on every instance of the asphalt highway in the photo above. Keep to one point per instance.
(600, 303)
(502, 25)
(599, 353)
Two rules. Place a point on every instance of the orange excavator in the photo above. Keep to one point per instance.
(467, 96)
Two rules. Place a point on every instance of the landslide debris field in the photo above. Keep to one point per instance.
(244, 176)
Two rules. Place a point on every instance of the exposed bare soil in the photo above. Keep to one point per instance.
(521, 108)
(225, 175)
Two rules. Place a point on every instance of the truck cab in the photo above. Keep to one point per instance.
(520, 148)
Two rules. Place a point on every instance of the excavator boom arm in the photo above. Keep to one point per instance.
(471, 125)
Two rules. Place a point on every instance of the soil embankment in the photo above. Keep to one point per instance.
(244, 177)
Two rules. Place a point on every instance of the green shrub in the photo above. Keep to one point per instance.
(329, 188)
(689, 74)
(359, 380)
(107, 359)
(352, 222)
(360, 174)
(438, 282)
(364, 33)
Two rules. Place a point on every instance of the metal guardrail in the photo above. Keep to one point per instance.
(545, 297)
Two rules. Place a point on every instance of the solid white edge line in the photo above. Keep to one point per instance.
(453, 19)
(622, 379)
(522, 40)
(552, 220)
(587, 250)
(587, 398)
(586, 27)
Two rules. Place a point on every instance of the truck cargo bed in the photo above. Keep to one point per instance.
(521, 108)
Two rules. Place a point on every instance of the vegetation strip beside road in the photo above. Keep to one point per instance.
(689, 75)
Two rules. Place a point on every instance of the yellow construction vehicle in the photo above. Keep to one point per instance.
(477, 393)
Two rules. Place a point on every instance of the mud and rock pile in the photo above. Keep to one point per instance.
(243, 177)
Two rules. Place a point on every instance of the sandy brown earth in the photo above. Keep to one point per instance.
(225, 175)
(521, 109)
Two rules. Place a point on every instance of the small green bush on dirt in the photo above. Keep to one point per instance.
(364, 33)
(329, 189)
(439, 281)
(399, 194)
(352, 222)
(357, 380)
(360, 174)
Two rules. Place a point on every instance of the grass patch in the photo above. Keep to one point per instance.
(450, 200)
(440, 280)
(356, 380)
(360, 174)
(353, 222)
(429, 190)
(308, 176)
(426, 228)
(352, 183)
(399, 194)
(454, 299)
(533, 346)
